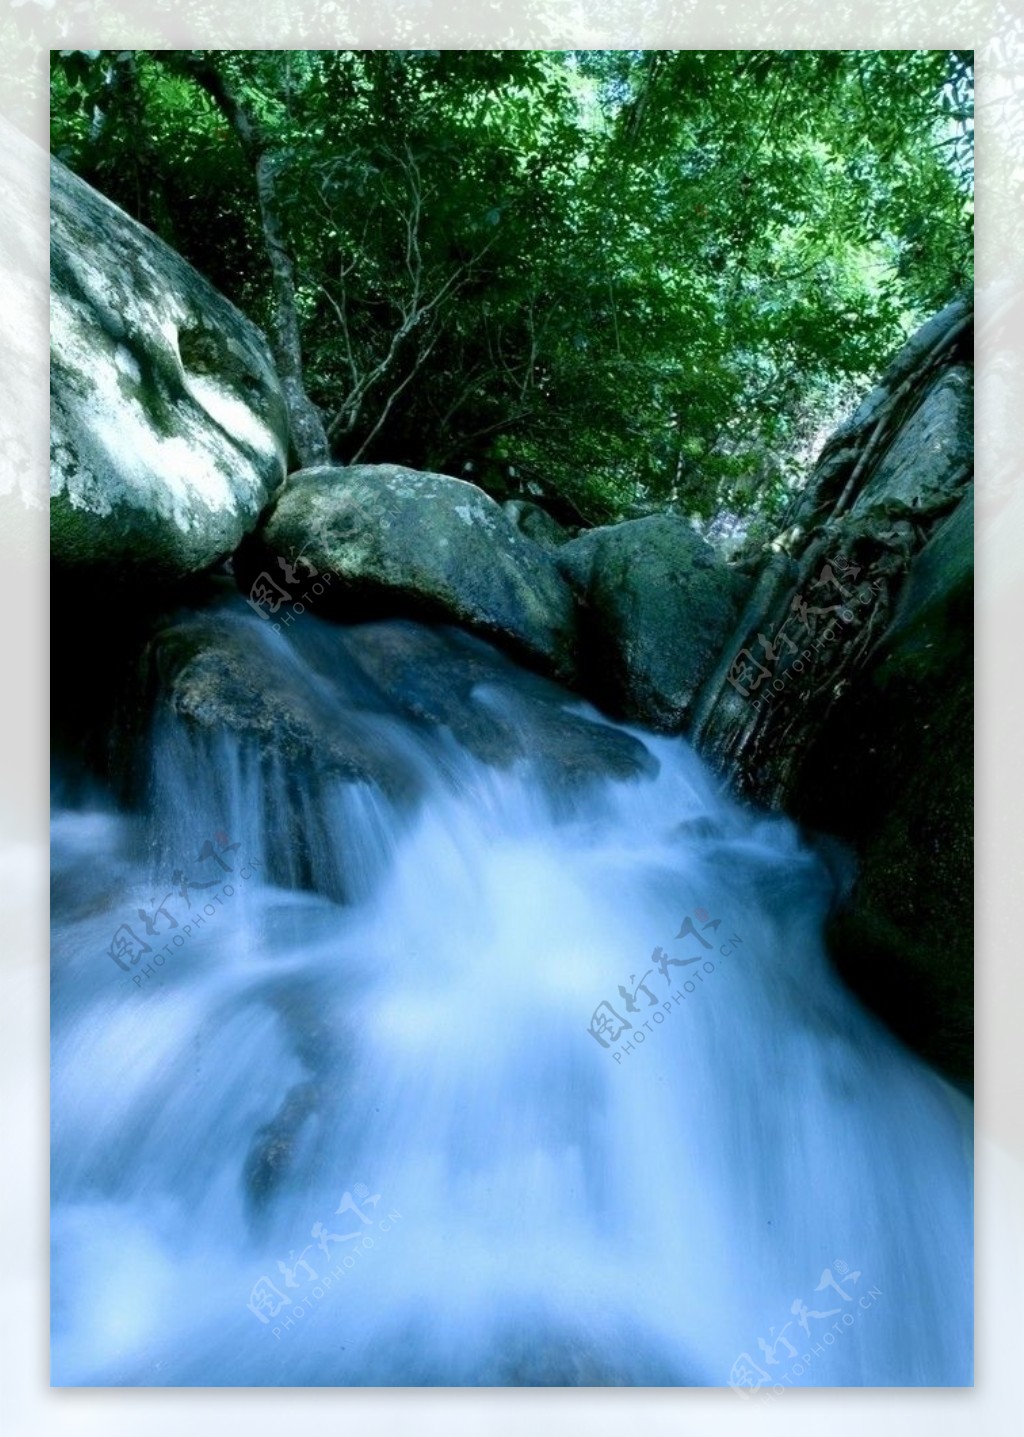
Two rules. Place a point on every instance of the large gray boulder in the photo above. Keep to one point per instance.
(894, 770)
(864, 462)
(168, 432)
(536, 523)
(422, 545)
(658, 605)
(931, 456)
(844, 695)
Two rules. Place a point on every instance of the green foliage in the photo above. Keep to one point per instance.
(616, 278)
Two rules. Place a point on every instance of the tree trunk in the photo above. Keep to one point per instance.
(309, 437)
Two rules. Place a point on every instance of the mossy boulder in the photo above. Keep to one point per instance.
(658, 604)
(400, 542)
(536, 523)
(168, 430)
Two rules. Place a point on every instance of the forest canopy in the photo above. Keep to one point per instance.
(613, 280)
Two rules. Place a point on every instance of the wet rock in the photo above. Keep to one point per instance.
(444, 678)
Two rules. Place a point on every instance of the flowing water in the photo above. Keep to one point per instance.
(377, 1117)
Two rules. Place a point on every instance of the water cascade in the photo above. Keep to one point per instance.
(476, 1062)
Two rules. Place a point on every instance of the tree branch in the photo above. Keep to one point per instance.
(308, 435)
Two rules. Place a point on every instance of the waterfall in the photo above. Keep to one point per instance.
(495, 1070)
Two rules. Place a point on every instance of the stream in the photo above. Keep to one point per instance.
(500, 1070)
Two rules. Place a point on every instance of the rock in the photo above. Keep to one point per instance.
(894, 772)
(658, 606)
(536, 523)
(328, 711)
(271, 1155)
(314, 1042)
(933, 453)
(444, 678)
(421, 545)
(943, 571)
(885, 484)
(218, 677)
(222, 684)
(168, 427)
(856, 450)
(844, 695)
